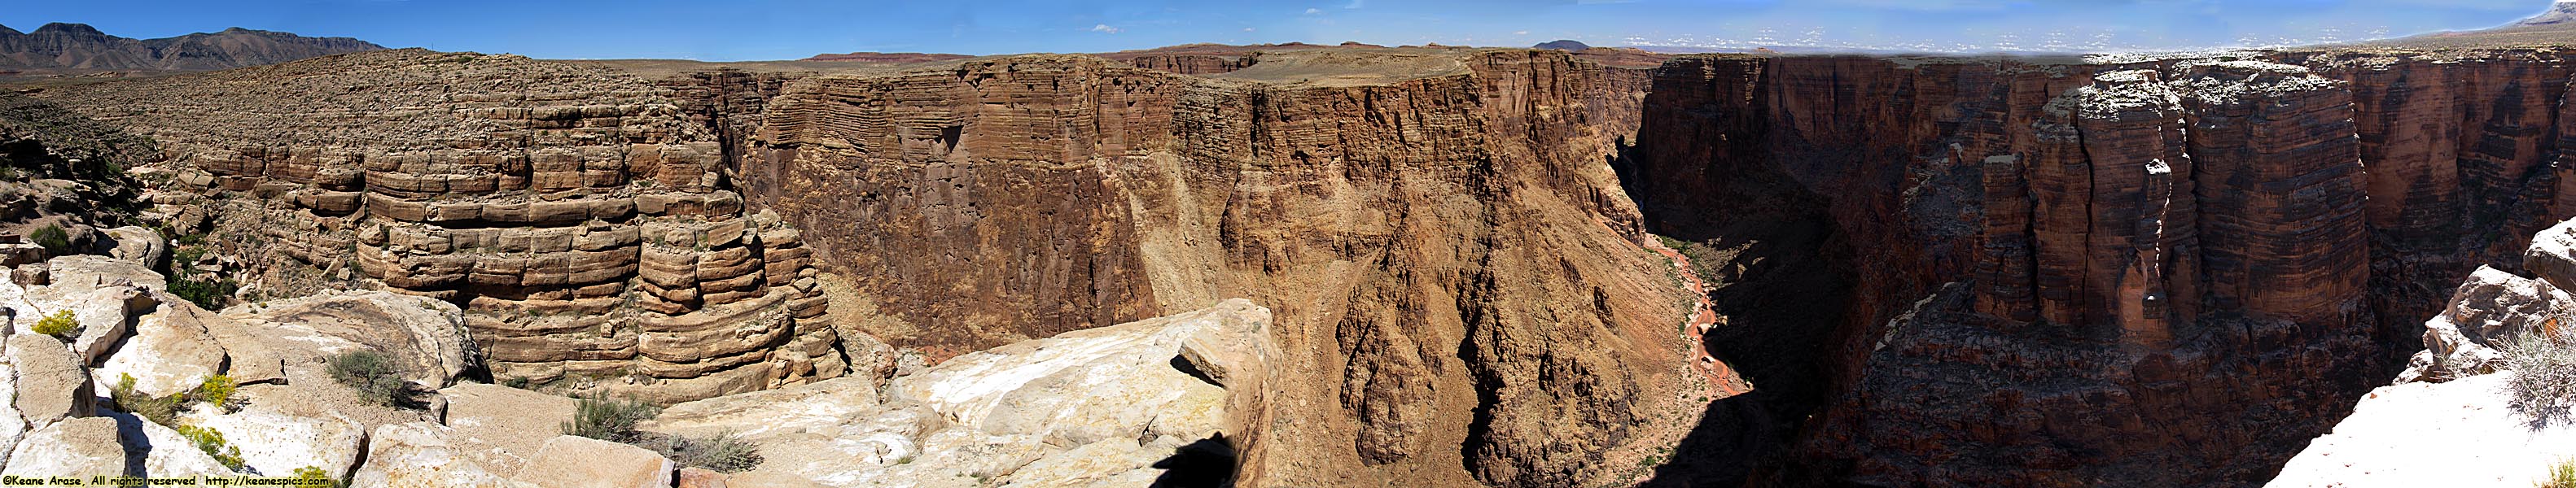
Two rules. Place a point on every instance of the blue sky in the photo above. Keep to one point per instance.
(786, 29)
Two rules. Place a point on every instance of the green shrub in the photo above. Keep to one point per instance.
(724, 453)
(316, 473)
(60, 324)
(159, 410)
(218, 390)
(210, 295)
(373, 374)
(212, 442)
(609, 420)
(53, 238)
(2544, 379)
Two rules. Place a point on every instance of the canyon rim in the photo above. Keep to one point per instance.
(250, 253)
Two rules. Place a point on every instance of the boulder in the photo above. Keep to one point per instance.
(82, 447)
(105, 314)
(426, 337)
(581, 462)
(2552, 255)
(699, 478)
(138, 244)
(1078, 387)
(757, 413)
(1090, 407)
(14, 254)
(2487, 311)
(274, 442)
(86, 271)
(418, 455)
(502, 427)
(170, 352)
(51, 383)
(161, 451)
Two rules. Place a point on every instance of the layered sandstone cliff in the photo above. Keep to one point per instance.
(579, 216)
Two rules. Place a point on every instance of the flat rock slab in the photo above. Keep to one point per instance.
(2455, 434)
(81, 447)
(582, 462)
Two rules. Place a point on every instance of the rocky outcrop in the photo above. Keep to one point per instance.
(1123, 405)
(418, 455)
(77, 448)
(2459, 391)
(2459, 433)
(581, 220)
(570, 461)
(2486, 313)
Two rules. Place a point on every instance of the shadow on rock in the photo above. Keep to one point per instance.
(1208, 463)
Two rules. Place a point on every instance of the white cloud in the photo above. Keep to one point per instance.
(1314, 11)
(1249, 29)
(1106, 28)
(1520, 33)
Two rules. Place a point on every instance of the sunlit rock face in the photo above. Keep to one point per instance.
(1124, 405)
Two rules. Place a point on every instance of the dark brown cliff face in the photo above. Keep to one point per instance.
(1455, 272)
(2061, 273)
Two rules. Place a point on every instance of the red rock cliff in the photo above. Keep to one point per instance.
(2060, 272)
(1456, 275)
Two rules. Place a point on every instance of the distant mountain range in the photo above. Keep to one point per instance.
(2560, 13)
(66, 49)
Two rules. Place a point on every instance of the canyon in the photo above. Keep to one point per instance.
(2171, 269)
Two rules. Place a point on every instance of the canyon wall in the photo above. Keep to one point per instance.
(1456, 275)
(2064, 272)
(579, 216)
(1992, 271)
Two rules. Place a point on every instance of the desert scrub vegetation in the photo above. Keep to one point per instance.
(212, 442)
(316, 473)
(207, 294)
(2544, 380)
(2562, 474)
(217, 390)
(724, 453)
(615, 420)
(609, 420)
(52, 237)
(60, 324)
(374, 375)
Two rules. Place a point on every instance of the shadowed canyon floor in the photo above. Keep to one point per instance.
(1468, 266)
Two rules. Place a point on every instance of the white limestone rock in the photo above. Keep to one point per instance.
(276, 443)
(2455, 434)
(582, 462)
(418, 455)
